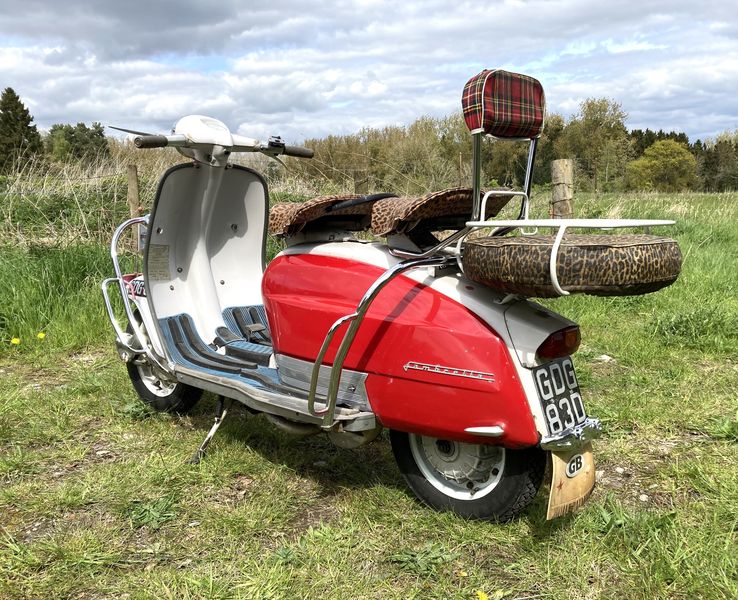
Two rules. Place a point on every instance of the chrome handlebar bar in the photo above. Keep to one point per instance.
(274, 147)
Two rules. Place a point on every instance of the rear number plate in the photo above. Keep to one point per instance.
(559, 393)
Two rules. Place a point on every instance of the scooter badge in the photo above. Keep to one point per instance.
(441, 370)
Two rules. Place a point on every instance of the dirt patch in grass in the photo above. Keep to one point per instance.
(315, 515)
(238, 490)
(29, 530)
(637, 476)
(97, 453)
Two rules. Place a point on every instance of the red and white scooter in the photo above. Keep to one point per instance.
(429, 335)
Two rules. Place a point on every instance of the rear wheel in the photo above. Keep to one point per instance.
(162, 393)
(477, 481)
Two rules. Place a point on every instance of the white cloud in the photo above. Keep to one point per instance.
(626, 46)
(310, 69)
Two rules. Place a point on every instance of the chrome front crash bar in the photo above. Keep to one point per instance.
(124, 340)
(355, 319)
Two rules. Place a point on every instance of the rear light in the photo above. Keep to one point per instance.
(563, 342)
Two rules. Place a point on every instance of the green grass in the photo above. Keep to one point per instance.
(97, 499)
(52, 290)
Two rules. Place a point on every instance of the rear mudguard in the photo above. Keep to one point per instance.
(434, 366)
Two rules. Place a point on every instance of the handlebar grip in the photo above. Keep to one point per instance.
(150, 141)
(298, 151)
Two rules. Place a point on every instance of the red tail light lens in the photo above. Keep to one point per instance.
(563, 342)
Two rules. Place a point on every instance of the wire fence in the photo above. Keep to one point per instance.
(63, 204)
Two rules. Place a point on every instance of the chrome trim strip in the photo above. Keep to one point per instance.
(574, 437)
(283, 404)
(492, 431)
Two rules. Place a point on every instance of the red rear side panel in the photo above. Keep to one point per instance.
(434, 367)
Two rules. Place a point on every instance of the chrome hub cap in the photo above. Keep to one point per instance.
(157, 385)
(459, 470)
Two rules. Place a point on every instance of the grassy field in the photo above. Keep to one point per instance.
(97, 499)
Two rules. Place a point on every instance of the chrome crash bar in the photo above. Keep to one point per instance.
(123, 339)
(355, 319)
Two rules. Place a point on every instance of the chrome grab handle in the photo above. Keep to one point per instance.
(458, 235)
(355, 319)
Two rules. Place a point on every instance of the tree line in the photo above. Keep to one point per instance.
(433, 153)
(21, 141)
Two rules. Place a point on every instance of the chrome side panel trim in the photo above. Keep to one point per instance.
(297, 373)
(492, 431)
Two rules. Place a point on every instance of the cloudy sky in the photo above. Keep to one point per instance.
(308, 68)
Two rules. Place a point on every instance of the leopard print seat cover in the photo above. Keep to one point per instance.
(388, 216)
(601, 265)
(394, 215)
(288, 218)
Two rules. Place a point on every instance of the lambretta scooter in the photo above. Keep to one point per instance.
(429, 332)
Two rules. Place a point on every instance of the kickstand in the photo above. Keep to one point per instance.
(221, 410)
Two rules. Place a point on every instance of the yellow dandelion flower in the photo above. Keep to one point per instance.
(481, 595)
(15, 341)
(40, 335)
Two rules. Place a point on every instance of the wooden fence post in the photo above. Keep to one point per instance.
(361, 181)
(562, 179)
(134, 203)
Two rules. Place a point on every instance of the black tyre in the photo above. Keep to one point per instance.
(160, 393)
(473, 480)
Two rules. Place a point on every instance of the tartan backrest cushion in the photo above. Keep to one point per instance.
(504, 104)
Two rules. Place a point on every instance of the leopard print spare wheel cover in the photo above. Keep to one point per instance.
(601, 265)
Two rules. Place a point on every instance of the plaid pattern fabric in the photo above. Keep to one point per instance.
(504, 104)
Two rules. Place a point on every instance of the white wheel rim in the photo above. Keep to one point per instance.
(155, 384)
(457, 469)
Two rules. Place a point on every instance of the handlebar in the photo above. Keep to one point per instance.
(150, 141)
(274, 147)
(299, 151)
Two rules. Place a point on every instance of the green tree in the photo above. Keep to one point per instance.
(80, 142)
(718, 162)
(19, 137)
(597, 137)
(547, 146)
(666, 166)
(640, 140)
